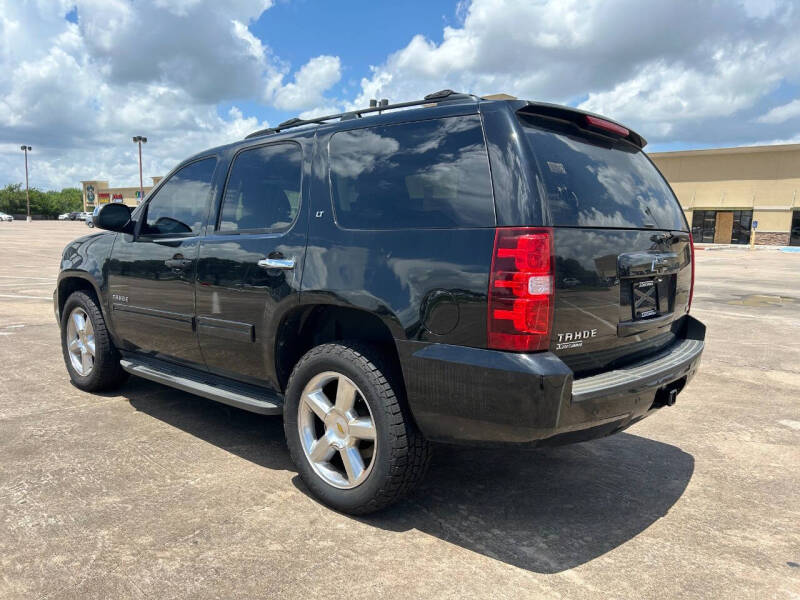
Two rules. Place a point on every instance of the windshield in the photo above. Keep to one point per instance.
(592, 181)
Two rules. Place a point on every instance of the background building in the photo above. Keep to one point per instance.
(723, 191)
(97, 192)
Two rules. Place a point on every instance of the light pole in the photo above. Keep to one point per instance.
(25, 149)
(140, 139)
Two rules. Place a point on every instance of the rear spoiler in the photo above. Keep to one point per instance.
(584, 120)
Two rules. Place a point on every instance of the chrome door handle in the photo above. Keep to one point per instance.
(276, 263)
(177, 264)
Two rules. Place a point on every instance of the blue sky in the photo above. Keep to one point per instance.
(361, 34)
(78, 78)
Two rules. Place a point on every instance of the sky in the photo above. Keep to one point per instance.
(79, 78)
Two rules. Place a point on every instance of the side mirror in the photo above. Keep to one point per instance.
(114, 217)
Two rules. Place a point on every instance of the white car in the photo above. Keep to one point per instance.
(5, 217)
(92, 215)
(83, 216)
(63, 217)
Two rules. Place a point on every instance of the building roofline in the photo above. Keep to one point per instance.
(734, 150)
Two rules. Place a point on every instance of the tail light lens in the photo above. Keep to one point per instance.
(691, 286)
(521, 289)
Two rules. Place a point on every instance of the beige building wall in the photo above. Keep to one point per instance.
(97, 192)
(764, 179)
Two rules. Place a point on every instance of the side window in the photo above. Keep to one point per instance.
(263, 189)
(426, 174)
(181, 205)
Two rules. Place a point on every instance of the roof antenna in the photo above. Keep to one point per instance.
(373, 103)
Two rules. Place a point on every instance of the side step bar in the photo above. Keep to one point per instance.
(262, 402)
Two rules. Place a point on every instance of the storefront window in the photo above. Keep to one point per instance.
(742, 219)
(794, 238)
(704, 223)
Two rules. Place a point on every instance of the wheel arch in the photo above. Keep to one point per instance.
(308, 326)
(70, 282)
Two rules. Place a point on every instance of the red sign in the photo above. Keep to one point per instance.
(116, 198)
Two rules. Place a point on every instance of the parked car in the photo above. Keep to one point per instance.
(387, 279)
(5, 217)
(74, 215)
(63, 217)
(83, 216)
(91, 216)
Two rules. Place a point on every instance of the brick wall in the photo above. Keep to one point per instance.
(770, 238)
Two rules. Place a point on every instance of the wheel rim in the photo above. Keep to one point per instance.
(80, 341)
(337, 430)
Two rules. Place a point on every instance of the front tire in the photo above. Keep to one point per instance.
(349, 433)
(92, 360)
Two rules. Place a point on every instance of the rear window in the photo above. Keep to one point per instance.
(426, 174)
(593, 182)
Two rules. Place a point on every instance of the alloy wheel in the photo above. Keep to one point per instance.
(80, 341)
(337, 430)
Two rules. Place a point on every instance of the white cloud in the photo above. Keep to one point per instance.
(673, 69)
(313, 78)
(320, 111)
(782, 113)
(680, 71)
(131, 67)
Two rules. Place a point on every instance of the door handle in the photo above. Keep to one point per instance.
(276, 263)
(177, 263)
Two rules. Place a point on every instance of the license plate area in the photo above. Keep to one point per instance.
(644, 298)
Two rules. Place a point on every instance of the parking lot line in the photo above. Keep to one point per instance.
(26, 297)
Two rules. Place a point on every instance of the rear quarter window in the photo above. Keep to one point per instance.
(425, 174)
(592, 181)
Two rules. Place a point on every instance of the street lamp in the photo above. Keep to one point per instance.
(25, 149)
(140, 139)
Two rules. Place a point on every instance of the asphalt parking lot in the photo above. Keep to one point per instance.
(154, 493)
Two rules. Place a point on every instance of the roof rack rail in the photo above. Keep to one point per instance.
(356, 114)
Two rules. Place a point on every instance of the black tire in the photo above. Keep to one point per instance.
(401, 455)
(106, 373)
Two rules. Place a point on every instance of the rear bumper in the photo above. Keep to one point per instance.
(461, 394)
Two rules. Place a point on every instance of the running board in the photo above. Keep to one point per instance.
(251, 399)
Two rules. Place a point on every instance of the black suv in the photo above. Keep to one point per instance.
(454, 269)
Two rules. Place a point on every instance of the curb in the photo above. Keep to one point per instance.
(745, 247)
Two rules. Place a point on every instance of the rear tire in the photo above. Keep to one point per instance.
(349, 432)
(91, 358)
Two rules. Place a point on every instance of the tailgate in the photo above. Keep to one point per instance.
(619, 294)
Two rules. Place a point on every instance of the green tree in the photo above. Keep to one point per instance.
(50, 203)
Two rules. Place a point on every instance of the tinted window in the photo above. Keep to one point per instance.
(593, 182)
(263, 189)
(181, 205)
(415, 175)
(703, 225)
(742, 221)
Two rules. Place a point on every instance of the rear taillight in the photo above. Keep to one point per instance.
(521, 289)
(691, 286)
